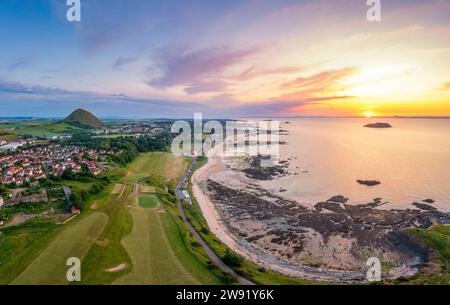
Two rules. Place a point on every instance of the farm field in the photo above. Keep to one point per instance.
(11, 131)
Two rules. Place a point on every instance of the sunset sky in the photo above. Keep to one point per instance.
(233, 58)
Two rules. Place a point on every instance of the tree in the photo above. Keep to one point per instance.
(4, 192)
(85, 171)
(232, 259)
(67, 174)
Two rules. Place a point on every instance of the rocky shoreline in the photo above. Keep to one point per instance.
(331, 236)
(330, 241)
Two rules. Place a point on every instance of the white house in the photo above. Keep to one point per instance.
(186, 195)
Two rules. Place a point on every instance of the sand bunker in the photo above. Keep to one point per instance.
(117, 268)
(102, 242)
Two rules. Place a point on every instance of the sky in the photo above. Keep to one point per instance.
(234, 58)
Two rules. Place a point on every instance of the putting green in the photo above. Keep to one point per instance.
(75, 241)
(148, 201)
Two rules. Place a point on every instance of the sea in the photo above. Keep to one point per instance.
(329, 155)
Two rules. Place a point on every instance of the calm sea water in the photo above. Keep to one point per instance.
(412, 161)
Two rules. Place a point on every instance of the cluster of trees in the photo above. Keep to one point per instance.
(4, 191)
(69, 174)
(126, 147)
(79, 196)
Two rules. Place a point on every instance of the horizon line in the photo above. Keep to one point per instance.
(30, 118)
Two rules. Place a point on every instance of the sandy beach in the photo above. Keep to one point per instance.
(209, 211)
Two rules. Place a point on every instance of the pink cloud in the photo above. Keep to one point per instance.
(320, 80)
(255, 72)
(181, 67)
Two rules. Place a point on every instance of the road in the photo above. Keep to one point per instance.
(214, 258)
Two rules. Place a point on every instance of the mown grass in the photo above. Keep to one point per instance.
(21, 245)
(35, 253)
(160, 164)
(75, 241)
(148, 201)
(161, 250)
(151, 252)
(109, 251)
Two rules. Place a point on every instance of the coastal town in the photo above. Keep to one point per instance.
(39, 162)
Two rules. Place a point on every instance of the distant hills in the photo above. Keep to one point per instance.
(83, 119)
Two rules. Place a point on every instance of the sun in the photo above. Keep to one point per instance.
(369, 114)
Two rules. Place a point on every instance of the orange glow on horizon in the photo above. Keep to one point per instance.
(369, 114)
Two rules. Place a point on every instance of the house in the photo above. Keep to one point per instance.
(186, 195)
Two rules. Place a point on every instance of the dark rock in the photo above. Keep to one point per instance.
(338, 199)
(428, 201)
(258, 172)
(424, 206)
(369, 182)
(284, 222)
(378, 125)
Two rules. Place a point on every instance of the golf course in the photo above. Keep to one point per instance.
(130, 233)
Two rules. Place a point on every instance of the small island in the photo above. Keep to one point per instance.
(369, 182)
(378, 125)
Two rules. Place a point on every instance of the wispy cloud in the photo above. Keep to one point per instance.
(253, 72)
(319, 87)
(14, 87)
(207, 86)
(123, 61)
(323, 79)
(262, 109)
(51, 99)
(19, 63)
(186, 67)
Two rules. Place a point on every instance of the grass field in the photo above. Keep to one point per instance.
(158, 246)
(134, 238)
(75, 241)
(154, 261)
(113, 136)
(21, 245)
(156, 164)
(437, 237)
(148, 201)
(36, 129)
(148, 189)
(117, 189)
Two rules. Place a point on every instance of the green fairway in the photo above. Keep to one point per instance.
(108, 250)
(154, 260)
(157, 245)
(161, 164)
(148, 201)
(130, 238)
(21, 245)
(75, 241)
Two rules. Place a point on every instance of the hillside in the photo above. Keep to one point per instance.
(84, 119)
